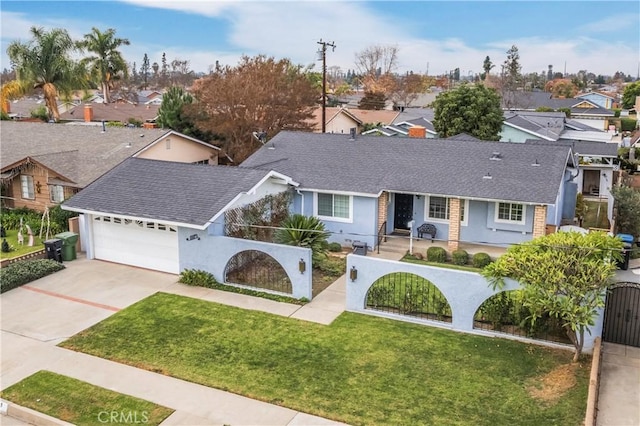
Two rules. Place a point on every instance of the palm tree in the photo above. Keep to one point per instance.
(45, 62)
(107, 63)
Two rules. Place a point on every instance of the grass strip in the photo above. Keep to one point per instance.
(82, 403)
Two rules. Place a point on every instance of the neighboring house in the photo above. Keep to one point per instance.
(43, 164)
(596, 149)
(582, 110)
(603, 100)
(120, 112)
(342, 120)
(419, 127)
(471, 191)
(146, 213)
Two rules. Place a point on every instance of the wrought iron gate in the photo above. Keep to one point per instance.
(622, 315)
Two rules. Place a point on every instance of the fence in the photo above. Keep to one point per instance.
(463, 291)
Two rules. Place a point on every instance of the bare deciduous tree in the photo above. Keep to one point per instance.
(376, 65)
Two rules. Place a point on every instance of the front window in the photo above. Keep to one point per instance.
(438, 208)
(334, 206)
(27, 187)
(510, 212)
(57, 193)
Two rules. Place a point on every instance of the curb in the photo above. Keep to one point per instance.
(594, 384)
(30, 416)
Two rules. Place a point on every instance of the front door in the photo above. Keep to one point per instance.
(403, 211)
(622, 315)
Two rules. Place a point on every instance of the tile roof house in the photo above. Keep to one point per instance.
(471, 191)
(120, 112)
(44, 163)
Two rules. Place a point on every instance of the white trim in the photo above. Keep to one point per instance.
(174, 133)
(332, 218)
(427, 218)
(129, 217)
(514, 222)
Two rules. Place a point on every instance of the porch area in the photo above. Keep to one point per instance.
(396, 246)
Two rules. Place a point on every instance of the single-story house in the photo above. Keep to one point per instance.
(143, 212)
(470, 190)
(43, 164)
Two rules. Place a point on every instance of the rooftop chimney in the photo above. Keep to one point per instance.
(88, 113)
(352, 134)
(417, 132)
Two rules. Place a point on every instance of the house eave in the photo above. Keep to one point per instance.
(132, 217)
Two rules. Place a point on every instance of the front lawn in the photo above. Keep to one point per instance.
(360, 369)
(80, 402)
(20, 249)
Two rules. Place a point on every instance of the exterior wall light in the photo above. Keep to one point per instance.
(353, 273)
(302, 266)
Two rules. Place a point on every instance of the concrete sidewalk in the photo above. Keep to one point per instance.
(38, 316)
(619, 394)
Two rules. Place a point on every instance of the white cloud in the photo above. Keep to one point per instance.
(613, 23)
(291, 30)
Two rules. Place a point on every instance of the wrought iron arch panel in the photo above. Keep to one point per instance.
(505, 312)
(254, 268)
(408, 294)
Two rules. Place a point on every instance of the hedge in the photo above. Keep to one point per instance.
(20, 273)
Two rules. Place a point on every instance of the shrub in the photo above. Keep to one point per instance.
(5, 246)
(436, 254)
(460, 257)
(134, 122)
(198, 277)
(41, 113)
(627, 124)
(20, 273)
(334, 247)
(480, 260)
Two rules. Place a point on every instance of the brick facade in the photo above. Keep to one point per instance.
(454, 224)
(539, 221)
(383, 204)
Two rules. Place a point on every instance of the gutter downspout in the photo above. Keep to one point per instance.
(302, 201)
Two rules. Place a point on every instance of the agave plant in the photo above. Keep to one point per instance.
(304, 231)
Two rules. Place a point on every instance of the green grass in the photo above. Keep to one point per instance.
(19, 250)
(360, 369)
(81, 403)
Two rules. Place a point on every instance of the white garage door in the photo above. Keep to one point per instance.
(148, 245)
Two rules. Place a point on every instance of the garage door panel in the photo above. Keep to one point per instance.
(136, 245)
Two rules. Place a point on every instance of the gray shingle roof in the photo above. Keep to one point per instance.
(583, 148)
(372, 164)
(80, 153)
(165, 191)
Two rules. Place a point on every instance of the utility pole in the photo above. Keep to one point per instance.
(323, 53)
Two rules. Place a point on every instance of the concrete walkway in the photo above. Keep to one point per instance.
(619, 395)
(41, 314)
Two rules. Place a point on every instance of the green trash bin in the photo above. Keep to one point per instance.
(69, 240)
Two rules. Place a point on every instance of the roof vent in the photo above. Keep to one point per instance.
(536, 163)
(487, 176)
(495, 156)
(352, 134)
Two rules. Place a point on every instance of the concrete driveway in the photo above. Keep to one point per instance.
(43, 313)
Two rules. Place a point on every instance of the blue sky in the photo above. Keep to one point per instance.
(435, 36)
